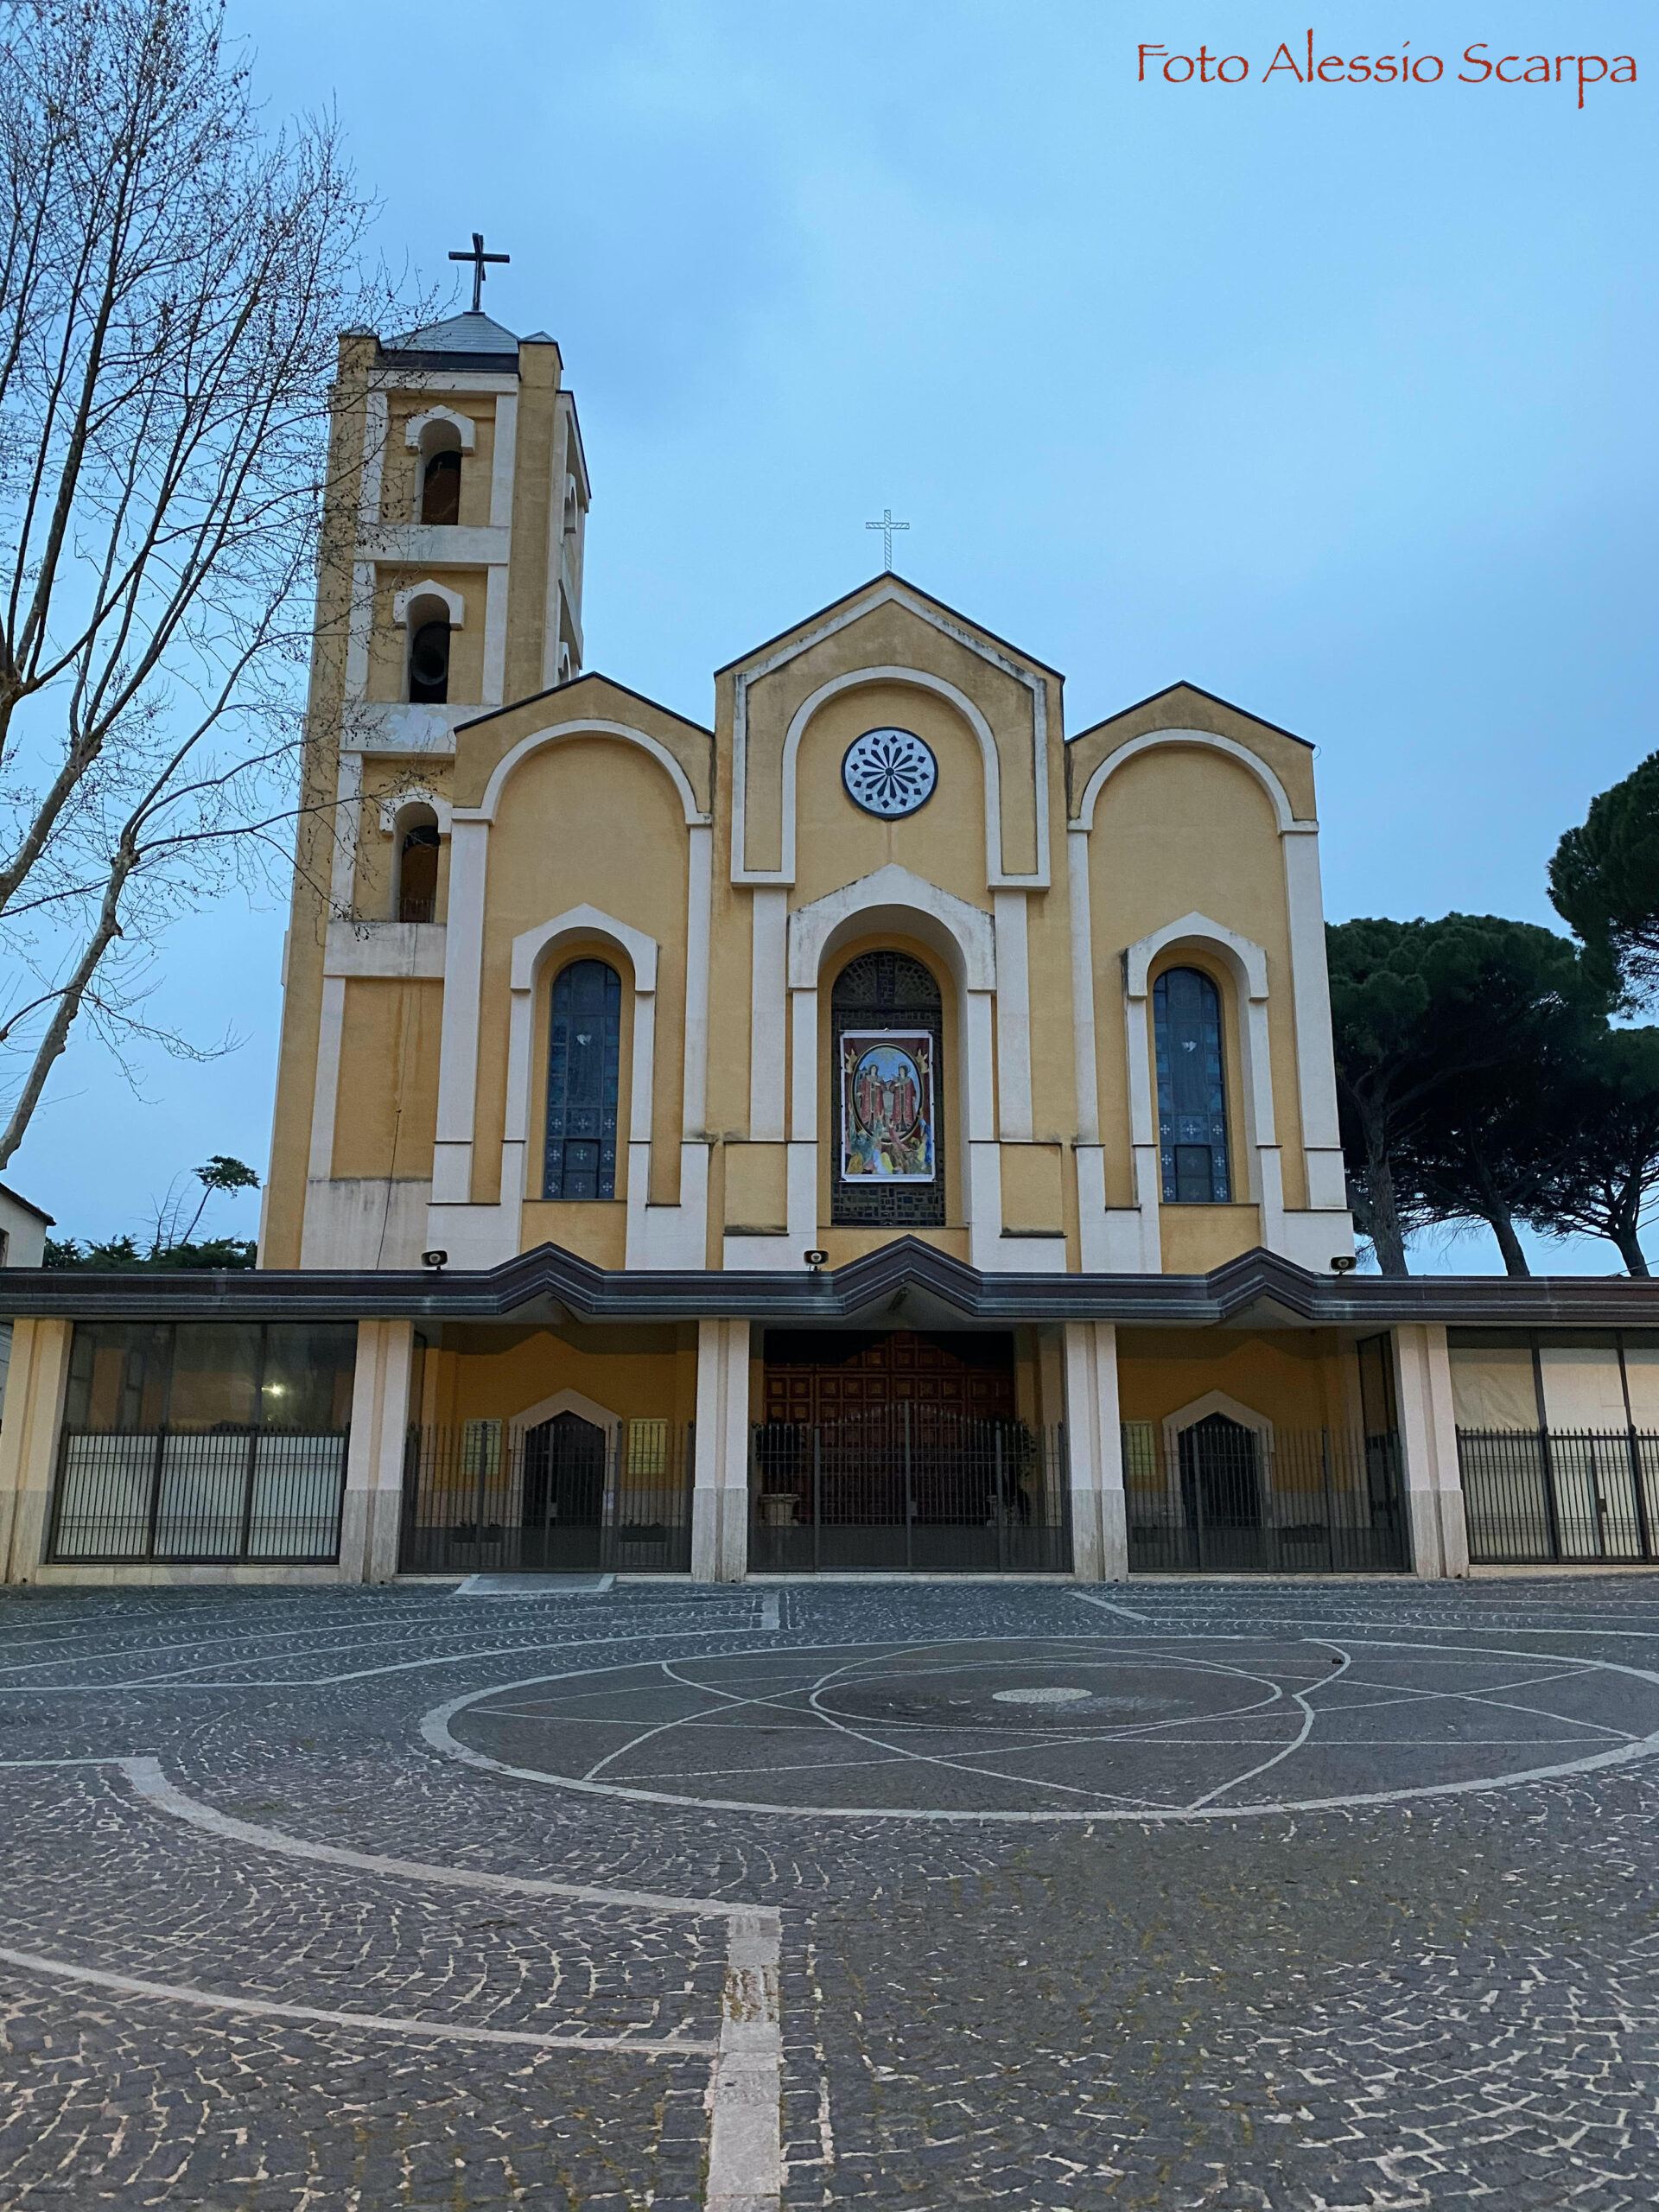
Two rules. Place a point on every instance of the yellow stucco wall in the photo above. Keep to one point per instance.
(890, 635)
(1299, 1379)
(389, 1075)
(494, 1373)
(590, 821)
(594, 819)
(1179, 830)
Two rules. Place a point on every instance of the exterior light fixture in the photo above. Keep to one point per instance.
(435, 1259)
(1343, 1263)
(815, 1260)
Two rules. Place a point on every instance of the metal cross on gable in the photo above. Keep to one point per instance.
(478, 258)
(887, 526)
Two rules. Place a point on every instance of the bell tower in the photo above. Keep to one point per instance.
(449, 587)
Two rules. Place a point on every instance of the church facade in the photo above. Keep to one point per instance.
(879, 1127)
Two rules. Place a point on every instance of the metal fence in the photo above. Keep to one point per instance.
(226, 1495)
(1220, 1499)
(1554, 1496)
(909, 1488)
(566, 1498)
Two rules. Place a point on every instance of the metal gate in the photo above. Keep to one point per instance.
(566, 1498)
(909, 1488)
(1547, 1496)
(1220, 1499)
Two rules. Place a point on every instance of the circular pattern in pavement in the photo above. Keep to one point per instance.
(1064, 1728)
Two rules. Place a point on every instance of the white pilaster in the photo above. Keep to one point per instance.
(495, 636)
(501, 470)
(330, 1028)
(1094, 1438)
(719, 1497)
(1429, 1439)
(372, 1508)
(1316, 1073)
(347, 828)
(982, 1170)
(358, 632)
(372, 483)
(1143, 1132)
(802, 1161)
(36, 1383)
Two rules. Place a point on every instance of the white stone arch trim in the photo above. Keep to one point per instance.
(894, 897)
(1214, 1401)
(556, 733)
(1248, 964)
(403, 601)
(416, 428)
(893, 900)
(921, 680)
(533, 952)
(566, 1401)
(531, 947)
(892, 590)
(396, 803)
(1284, 814)
(1248, 961)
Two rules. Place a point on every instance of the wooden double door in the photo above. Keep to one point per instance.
(818, 1376)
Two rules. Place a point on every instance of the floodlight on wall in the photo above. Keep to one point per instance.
(1343, 1263)
(815, 1260)
(437, 1260)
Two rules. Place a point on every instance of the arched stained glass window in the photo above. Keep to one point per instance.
(582, 1047)
(1192, 1091)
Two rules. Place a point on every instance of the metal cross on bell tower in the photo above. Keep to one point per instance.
(887, 526)
(478, 258)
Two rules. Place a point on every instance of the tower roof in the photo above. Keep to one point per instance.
(457, 341)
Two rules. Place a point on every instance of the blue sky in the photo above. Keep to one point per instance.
(1335, 399)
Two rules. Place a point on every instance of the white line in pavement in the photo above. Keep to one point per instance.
(316, 2016)
(366, 1674)
(1106, 1605)
(744, 2096)
(152, 1785)
(746, 2159)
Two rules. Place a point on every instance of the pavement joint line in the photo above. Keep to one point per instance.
(745, 2091)
(368, 1674)
(435, 1727)
(1108, 1605)
(217, 2000)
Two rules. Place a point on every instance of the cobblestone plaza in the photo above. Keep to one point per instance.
(1198, 1895)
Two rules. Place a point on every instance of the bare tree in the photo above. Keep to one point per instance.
(172, 282)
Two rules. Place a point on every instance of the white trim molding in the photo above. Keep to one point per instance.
(1246, 960)
(1299, 845)
(556, 733)
(432, 418)
(395, 804)
(1248, 964)
(1205, 741)
(890, 590)
(403, 601)
(893, 900)
(1216, 1402)
(566, 1401)
(531, 952)
(1094, 1449)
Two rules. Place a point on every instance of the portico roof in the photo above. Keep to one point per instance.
(906, 1283)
